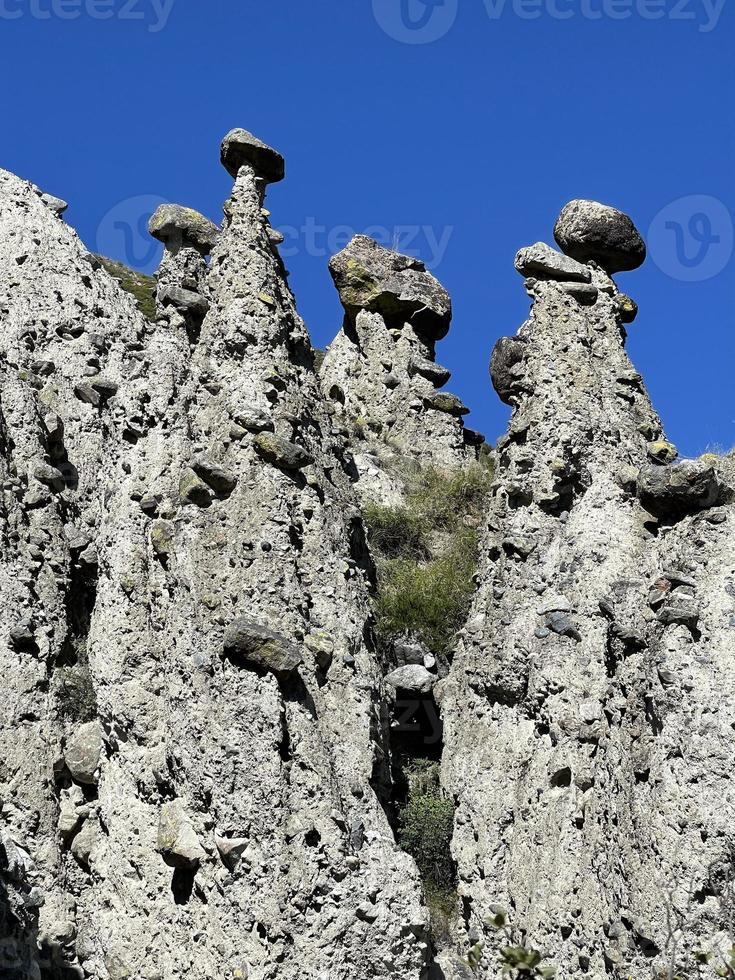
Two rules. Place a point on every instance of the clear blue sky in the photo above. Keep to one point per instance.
(480, 134)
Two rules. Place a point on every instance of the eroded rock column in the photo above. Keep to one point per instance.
(591, 676)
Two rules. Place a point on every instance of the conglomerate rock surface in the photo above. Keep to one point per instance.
(195, 724)
(589, 718)
(380, 373)
(169, 807)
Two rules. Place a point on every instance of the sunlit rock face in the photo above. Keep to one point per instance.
(590, 708)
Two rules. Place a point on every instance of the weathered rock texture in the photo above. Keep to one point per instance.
(170, 806)
(380, 373)
(195, 717)
(589, 716)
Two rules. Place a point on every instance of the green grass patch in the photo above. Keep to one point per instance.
(426, 554)
(429, 599)
(142, 287)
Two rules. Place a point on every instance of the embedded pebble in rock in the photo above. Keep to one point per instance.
(261, 647)
(413, 678)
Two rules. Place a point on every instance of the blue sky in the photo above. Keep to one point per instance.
(456, 130)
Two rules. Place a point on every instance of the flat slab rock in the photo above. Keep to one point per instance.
(543, 262)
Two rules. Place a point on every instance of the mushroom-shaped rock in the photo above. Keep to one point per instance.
(371, 277)
(177, 840)
(543, 262)
(506, 367)
(674, 491)
(177, 226)
(588, 230)
(240, 147)
(414, 678)
(280, 452)
(261, 647)
(83, 752)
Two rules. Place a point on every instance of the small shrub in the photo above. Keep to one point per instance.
(515, 959)
(75, 695)
(396, 531)
(430, 599)
(425, 831)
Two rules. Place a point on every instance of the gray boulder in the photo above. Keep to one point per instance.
(55, 204)
(261, 647)
(177, 840)
(414, 678)
(674, 491)
(371, 277)
(506, 367)
(280, 452)
(543, 262)
(434, 372)
(186, 301)
(177, 226)
(83, 753)
(442, 401)
(587, 230)
(240, 147)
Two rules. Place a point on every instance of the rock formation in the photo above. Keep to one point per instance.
(178, 520)
(195, 753)
(380, 373)
(590, 708)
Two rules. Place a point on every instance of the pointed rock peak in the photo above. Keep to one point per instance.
(241, 148)
(588, 230)
(370, 277)
(178, 227)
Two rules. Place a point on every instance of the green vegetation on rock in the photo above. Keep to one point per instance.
(425, 831)
(140, 286)
(427, 554)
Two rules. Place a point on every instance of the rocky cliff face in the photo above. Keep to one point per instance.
(193, 705)
(590, 709)
(195, 754)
